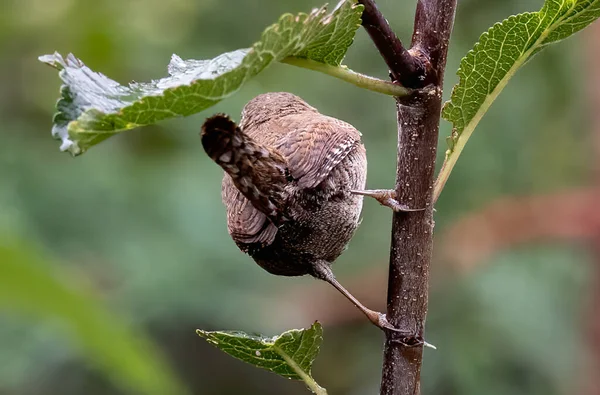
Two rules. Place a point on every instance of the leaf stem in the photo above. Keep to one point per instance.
(345, 74)
(310, 382)
(445, 171)
(453, 154)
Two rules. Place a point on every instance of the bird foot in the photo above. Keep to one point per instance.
(387, 197)
(406, 338)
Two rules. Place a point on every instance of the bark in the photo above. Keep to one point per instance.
(421, 67)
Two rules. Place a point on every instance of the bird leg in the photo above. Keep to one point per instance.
(323, 272)
(378, 319)
(387, 197)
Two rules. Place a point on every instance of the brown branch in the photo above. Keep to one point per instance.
(412, 233)
(433, 26)
(404, 68)
(418, 118)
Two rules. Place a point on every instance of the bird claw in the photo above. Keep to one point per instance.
(406, 338)
(387, 197)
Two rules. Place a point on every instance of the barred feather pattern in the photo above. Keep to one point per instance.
(258, 172)
(287, 188)
(314, 147)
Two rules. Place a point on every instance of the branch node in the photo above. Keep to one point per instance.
(405, 68)
(405, 338)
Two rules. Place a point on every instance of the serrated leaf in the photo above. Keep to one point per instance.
(500, 52)
(93, 107)
(290, 354)
(128, 357)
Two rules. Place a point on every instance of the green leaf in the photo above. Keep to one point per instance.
(128, 357)
(93, 107)
(290, 354)
(500, 52)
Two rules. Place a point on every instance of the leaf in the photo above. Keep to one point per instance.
(128, 357)
(290, 354)
(500, 52)
(93, 107)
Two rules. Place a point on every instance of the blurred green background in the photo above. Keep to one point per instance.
(136, 224)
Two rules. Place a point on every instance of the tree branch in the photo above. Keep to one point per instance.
(404, 68)
(433, 25)
(412, 233)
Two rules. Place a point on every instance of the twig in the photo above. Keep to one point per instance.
(412, 233)
(405, 68)
(433, 25)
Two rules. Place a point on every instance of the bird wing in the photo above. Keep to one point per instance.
(313, 150)
(245, 223)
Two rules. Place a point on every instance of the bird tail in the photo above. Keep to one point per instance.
(257, 171)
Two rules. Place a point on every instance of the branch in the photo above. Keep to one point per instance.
(433, 25)
(412, 233)
(405, 68)
(345, 74)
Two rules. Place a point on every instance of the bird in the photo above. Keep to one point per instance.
(293, 186)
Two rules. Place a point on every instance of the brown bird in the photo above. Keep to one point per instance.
(292, 186)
